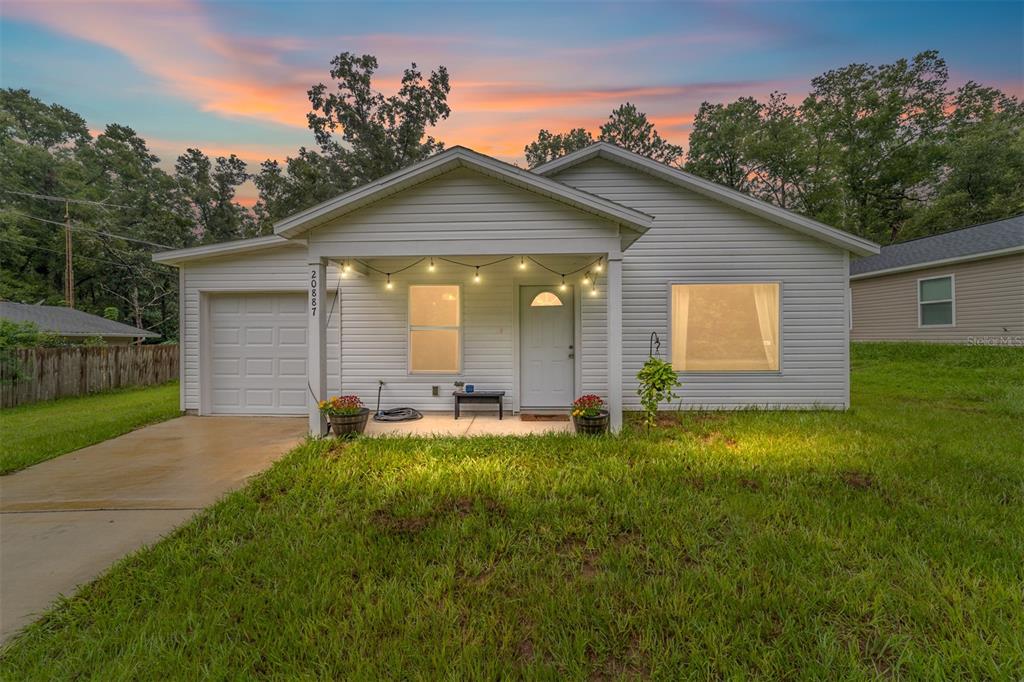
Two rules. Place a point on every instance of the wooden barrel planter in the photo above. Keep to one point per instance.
(593, 426)
(344, 425)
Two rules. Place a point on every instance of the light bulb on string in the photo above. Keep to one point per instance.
(522, 262)
(586, 278)
(562, 286)
(389, 285)
(476, 277)
(599, 264)
(431, 266)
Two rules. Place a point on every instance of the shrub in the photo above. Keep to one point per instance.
(658, 382)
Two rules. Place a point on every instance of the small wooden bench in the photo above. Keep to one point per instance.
(480, 397)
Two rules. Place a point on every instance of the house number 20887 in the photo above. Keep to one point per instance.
(312, 292)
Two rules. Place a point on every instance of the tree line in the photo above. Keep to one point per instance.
(886, 152)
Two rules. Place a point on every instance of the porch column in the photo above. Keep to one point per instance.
(316, 348)
(615, 341)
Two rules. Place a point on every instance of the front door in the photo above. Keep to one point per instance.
(546, 347)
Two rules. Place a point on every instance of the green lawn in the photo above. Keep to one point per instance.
(38, 432)
(884, 541)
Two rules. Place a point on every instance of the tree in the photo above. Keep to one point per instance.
(982, 153)
(307, 179)
(549, 146)
(720, 143)
(626, 127)
(629, 128)
(208, 190)
(885, 125)
(380, 134)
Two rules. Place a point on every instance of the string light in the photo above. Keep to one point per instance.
(389, 285)
(600, 264)
(593, 290)
(476, 277)
(346, 267)
(431, 266)
(562, 287)
(522, 262)
(586, 277)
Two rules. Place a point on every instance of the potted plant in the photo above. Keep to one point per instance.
(346, 413)
(589, 415)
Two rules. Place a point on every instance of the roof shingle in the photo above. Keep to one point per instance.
(968, 241)
(68, 321)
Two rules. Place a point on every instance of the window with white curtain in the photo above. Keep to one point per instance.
(935, 301)
(435, 329)
(730, 327)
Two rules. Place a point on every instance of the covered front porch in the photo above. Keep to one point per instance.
(543, 328)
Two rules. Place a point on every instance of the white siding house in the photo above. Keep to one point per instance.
(441, 272)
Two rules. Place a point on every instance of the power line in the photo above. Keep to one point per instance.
(93, 230)
(92, 258)
(50, 197)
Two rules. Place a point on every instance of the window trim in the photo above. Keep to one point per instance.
(409, 328)
(951, 300)
(667, 342)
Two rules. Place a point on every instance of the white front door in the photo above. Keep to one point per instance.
(546, 347)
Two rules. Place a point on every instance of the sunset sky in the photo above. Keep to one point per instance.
(232, 76)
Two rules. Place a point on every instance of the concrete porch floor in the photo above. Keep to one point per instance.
(469, 424)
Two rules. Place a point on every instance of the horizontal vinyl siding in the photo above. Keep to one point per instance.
(281, 269)
(697, 239)
(375, 333)
(460, 204)
(988, 296)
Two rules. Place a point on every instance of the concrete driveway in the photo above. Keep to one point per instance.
(65, 521)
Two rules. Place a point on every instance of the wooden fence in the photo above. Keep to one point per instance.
(28, 375)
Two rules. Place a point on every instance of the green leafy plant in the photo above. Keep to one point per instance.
(658, 382)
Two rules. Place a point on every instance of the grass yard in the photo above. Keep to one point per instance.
(41, 431)
(881, 542)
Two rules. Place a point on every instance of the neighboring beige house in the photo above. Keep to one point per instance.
(73, 325)
(964, 286)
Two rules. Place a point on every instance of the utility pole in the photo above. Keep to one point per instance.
(69, 271)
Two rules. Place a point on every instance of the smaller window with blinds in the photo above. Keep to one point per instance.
(935, 302)
(435, 329)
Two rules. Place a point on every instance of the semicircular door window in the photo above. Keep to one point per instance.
(545, 298)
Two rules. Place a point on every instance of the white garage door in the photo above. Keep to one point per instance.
(257, 354)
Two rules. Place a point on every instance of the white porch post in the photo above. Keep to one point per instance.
(316, 361)
(615, 341)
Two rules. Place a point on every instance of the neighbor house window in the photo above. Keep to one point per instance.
(434, 329)
(725, 327)
(935, 301)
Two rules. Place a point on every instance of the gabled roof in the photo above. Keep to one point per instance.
(178, 256)
(69, 322)
(968, 243)
(461, 157)
(731, 197)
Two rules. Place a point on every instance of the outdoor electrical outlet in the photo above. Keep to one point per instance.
(435, 390)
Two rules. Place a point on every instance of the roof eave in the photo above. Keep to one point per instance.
(850, 242)
(178, 256)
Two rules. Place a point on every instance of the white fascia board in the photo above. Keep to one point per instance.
(460, 157)
(731, 197)
(179, 256)
(937, 263)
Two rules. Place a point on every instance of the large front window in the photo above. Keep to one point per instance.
(725, 327)
(434, 329)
